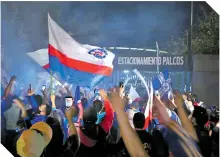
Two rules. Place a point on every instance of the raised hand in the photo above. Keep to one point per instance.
(103, 94)
(162, 109)
(117, 101)
(30, 93)
(19, 103)
(13, 78)
(178, 100)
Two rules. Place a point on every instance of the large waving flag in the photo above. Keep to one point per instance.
(44, 78)
(41, 57)
(74, 62)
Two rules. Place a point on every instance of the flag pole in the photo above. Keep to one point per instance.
(51, 83)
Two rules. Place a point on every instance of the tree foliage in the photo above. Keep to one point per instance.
(205, 36)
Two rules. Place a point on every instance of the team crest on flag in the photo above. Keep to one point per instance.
(162, 84)
(165, 84)
(98, 53)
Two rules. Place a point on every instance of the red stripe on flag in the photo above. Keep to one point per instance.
(46, 66)
(147, 121)
(137, 100)
(79, 65)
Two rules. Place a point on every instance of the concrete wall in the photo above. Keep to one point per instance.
(205, 79)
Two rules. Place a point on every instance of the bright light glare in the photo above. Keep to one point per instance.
(126, 71)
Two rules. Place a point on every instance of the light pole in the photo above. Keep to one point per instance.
(190, 56)
(158, 70)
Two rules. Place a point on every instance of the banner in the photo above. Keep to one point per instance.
(148, 61)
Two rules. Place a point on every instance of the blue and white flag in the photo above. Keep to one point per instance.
(162, 83)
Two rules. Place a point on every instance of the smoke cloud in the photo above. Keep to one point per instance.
(132, 24)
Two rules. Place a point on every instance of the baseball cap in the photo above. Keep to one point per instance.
(90, 115)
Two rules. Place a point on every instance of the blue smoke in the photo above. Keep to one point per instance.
(133, 24)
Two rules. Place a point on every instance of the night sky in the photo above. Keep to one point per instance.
(104, 24)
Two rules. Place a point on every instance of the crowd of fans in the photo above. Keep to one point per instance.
(53, 125)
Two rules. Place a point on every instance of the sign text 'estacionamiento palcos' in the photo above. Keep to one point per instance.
(164, 61)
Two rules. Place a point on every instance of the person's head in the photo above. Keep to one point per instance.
(62, 90)
(38, 99)
(44, 109)
(184, 95)
(194, 98)
(200, 116)
(99, 108)
(139, 120)
(84, 102)
(69, 101)
(134, 105)
(82, 95)
(33, 141)
(89, 119)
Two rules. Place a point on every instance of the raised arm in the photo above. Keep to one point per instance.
(177, 138)
(53, 98)
(45, 97)
(8, 88)
(73, 140)
(80, 117)
(107, 122)
(183, 116)
(20, 104)
(129, 136)
(69, 116)
(32, 100)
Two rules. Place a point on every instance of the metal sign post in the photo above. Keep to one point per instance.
(158, 70)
